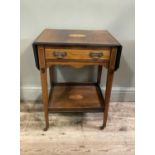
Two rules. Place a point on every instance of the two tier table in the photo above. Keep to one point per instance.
(76, 48)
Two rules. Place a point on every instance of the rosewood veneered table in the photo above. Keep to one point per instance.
(76, 48)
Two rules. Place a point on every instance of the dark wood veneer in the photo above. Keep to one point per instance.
(77, 48)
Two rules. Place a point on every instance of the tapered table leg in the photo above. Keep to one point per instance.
(43, 75)
(51, 74)
(107, 97)
(110, 76)
(99, 74)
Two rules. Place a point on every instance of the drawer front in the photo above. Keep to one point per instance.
(77, 54)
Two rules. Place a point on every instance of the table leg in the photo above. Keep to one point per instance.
(43, 74)
(110, 76)
(99, 74)
(51, 74)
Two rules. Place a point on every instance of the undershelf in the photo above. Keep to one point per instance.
(75, 97)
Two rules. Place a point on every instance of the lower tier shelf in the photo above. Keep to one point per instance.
(76, 98)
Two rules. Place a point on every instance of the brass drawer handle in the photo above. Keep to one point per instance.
(59, 55)
(96, 55)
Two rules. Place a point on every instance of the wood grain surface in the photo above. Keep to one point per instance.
(75, 98)
(77, 53)
(76, 37)
(77, 133)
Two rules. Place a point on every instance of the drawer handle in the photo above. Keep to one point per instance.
(96, 55)
(59, 55)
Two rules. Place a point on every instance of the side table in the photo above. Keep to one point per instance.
(76, 48)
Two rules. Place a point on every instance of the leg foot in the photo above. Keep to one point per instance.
(102, 127)
(46, 128)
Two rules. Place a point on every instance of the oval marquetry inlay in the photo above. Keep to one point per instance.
(76, 97)
(77, 35)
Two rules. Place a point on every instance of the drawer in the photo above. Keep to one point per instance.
(77, 54)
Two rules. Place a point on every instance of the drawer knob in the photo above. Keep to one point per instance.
(59, 55)
(96, 55)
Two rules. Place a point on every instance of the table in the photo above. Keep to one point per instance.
(76, 48)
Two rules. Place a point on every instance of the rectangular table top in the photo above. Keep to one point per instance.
(77, 37)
